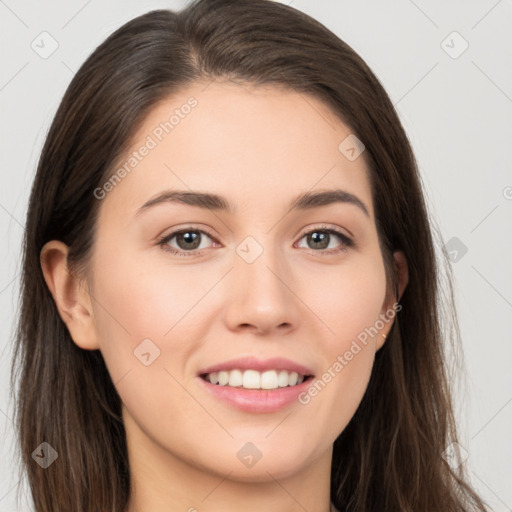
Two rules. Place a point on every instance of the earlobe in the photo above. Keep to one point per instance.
(70, 295)
(402, 274)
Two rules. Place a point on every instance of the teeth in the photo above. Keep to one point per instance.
(252, 379)
(235, 378)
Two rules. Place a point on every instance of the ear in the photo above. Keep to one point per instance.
(71, 295)
(402, 274)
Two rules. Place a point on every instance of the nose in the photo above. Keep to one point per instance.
(261, 292)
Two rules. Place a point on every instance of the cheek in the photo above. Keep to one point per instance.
(350, 306)
(144, 316)
(347, 299)
(144, 298)
(144, 295)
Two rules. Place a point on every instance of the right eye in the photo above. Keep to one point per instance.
(188, 240)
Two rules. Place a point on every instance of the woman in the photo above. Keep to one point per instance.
(230, 289)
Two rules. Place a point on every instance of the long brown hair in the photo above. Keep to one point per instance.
(390, 455)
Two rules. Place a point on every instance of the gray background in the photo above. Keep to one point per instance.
(455, 108)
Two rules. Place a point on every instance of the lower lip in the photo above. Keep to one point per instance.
(257, 400)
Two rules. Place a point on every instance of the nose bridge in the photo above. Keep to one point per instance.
(257, 263)
(259, 293)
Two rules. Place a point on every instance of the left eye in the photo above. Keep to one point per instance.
(189, 241)
(321, 237)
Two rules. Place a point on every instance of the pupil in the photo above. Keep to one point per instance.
(324, 239)
(190, 238)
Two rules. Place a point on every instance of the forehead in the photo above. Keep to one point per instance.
(240, 141)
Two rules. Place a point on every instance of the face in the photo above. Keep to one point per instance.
(279, 289)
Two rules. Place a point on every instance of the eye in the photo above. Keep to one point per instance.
(188, 241)
(320, 239)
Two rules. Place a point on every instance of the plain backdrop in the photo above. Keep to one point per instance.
(447, 68)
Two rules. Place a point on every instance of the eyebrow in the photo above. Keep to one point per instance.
(208, 201)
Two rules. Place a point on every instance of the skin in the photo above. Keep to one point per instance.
(260, 148)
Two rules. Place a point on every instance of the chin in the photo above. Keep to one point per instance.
(263, 462)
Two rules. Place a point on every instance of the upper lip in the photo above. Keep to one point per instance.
(252, 363)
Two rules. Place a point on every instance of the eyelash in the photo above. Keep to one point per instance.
(347, 242)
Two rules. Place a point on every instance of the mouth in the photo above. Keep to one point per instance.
(254, 379)
(253, 385)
